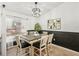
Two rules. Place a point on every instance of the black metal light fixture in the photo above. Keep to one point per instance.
(3, 5)
(36, 11)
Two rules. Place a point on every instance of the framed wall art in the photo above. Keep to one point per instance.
(50, 24)
(54, 24)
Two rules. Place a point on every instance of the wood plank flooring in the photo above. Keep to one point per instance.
(54, 50)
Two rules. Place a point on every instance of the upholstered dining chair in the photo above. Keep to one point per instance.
(25, 33)
(49, 43)
(31, 33)
(50, 38)
(22, 46)
(45, 33)
(40, 46)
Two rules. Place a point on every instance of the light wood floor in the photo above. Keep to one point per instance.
(54, 50)
(61, 51)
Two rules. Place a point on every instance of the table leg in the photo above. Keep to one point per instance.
(32, 50)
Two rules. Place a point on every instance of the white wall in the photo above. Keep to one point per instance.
(0, 25)
(28, 24)
(69, 14)
(27, 21)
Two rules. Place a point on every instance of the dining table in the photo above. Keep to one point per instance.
(31, 39)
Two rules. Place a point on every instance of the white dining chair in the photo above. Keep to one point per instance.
(31, 33)
(22, 46)
(41, 46)
(50, 38)
(45, 33)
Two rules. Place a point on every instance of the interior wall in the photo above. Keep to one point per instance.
(69, 14)
(27, 21)
(0, 25)
(26, 24)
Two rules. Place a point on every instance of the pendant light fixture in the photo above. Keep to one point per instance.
(36, 11)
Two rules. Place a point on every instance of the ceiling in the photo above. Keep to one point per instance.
(26, 7)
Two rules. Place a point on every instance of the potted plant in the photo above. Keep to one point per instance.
(37, 28)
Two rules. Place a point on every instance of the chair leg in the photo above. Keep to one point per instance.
(47, 50)
(40, 52)
(17, 51)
